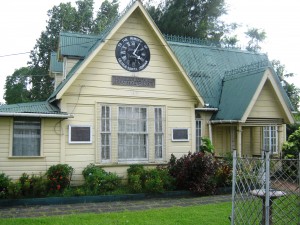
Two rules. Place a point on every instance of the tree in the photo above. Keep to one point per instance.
(193, 18)
(63, 17)
(106, 13)
(292, 91)
(291, 147)
(16, 87)
(256, 37)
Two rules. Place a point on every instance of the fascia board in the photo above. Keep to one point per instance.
(283, 103)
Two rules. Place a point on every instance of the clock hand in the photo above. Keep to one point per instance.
(134, 52)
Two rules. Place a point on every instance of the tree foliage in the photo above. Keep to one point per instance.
(63, 17)
(292, 91)
(16, 86)
(256, 36)
(193, 18)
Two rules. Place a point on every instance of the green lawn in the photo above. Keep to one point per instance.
(212, 214)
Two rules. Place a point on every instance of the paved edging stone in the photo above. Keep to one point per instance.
(22, 211)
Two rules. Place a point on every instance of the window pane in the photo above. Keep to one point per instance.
(80, 134)
(270, 139)
(158, 133)
(198, 135)
(132, 143)
(26, 137)
(105, 133)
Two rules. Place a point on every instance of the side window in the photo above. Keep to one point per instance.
(26, 137)
(105, 133)
(198, 134)
(80, 134)
(270, 139)
(159, 132)
(180, 134)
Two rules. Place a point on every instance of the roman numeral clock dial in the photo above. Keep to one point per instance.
(132, 53)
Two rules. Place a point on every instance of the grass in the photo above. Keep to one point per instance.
(211, 214)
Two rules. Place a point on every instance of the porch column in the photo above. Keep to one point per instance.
(210, 132)
(239, 139)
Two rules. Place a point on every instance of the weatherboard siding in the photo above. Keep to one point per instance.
(93, 88)
(50, 149)
(267, 104)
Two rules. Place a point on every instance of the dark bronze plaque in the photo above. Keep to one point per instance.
(133, 81)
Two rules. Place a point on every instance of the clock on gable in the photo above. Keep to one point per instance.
(132, 53)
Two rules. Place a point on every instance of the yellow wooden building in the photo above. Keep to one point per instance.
(132, 95)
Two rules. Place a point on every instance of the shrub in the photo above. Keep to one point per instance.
(291, 147)
(59, 177)
(135, 172)
(155, 180)
(223, 175)
(195, 172)
(97, 180)
(38, 186)
(4, 183)
(14, 189)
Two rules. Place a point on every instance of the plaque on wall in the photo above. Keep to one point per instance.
(133, 81)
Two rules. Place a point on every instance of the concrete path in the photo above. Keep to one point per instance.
(104, 207)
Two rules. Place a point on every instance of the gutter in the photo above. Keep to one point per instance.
(60, 116)
(207, 109)
(223, 121)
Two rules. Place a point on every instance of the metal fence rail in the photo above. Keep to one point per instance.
(265, 191)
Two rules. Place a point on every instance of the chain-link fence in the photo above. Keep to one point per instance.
(265, 191)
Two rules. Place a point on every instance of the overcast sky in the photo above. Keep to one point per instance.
(23, 21)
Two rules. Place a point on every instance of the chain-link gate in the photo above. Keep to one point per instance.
(265, 191)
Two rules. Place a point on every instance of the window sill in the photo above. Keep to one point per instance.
(26, 157)
(122, 164)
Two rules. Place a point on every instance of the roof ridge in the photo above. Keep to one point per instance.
(185, 40)
(78, 34)
(252, 67)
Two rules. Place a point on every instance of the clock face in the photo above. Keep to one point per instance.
(132, 53)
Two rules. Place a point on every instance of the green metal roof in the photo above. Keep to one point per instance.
(237, 93)
(76, 45)
(42, 108)
(55, 65)
(206, 66)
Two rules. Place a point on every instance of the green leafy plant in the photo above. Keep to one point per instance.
(135, 172)
(291, 148)
(15, 189)
(206, 145)
(4, 183)
(155, 180)
(59, 177)
(97, 180)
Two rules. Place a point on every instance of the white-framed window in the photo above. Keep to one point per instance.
(180, 134)
(105, 133)
(158, 133)
(80, 134)
(198, 134)
(132, 133)
(26, 137)
(270, 139)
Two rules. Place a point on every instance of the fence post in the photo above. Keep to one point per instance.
(267, 188)
(233, 185)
